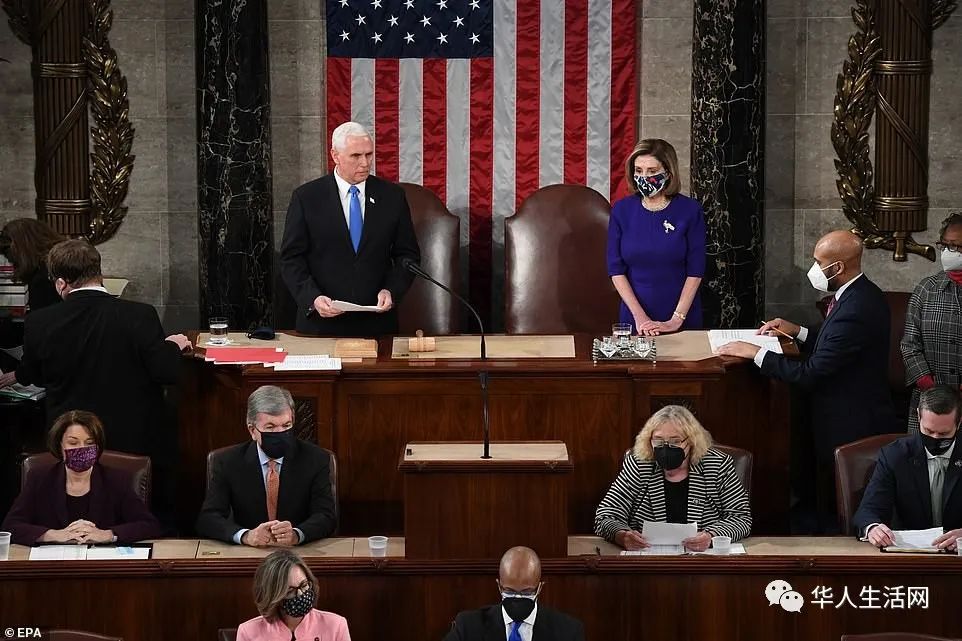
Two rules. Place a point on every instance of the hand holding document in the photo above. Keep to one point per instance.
(915, 540)
(664, 538)
(344, 306)
(719, 337)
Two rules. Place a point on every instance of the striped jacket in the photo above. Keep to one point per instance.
(717, 501)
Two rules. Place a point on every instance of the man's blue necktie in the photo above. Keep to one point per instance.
(515, 631)
(356, 222)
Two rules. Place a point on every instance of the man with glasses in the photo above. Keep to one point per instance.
(915, 485)
(518, 617)
(273, 490)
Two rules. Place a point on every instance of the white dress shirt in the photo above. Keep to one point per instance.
(803, 331)
(264, 460)
(95, 288)
(527, 626)
(344, 194)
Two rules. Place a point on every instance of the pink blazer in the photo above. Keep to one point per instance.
(317, 625)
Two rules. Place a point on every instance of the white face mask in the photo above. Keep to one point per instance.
(951, 261)
(816, 276)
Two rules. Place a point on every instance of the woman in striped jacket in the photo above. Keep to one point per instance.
(674, 475)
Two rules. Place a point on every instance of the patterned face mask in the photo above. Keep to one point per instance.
(80, 459)
(650, 186)
(300, 605)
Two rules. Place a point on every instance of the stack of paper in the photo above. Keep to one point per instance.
(28, 392)
(307, 362)
(719, 337)
(915, 540)
(85, 553)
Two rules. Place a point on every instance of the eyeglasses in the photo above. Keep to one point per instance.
(293, 593)
(955, 249)
(270, 427)
(674, 442)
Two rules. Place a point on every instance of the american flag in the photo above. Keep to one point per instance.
(485, 101)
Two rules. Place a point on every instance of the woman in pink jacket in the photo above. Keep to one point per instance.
(285, 591)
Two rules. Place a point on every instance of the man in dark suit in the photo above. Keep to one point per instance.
(273, 490)
(844, 369)
(519, 616)
(915, 485)
(345, 236)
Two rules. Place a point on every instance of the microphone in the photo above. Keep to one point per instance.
(413, 267)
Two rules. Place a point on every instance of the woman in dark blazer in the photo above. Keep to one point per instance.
(674, 475)
(80, 501)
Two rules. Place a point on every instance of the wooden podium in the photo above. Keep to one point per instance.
(460, 506)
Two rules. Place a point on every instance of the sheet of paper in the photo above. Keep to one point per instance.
(916, 539)
(345, 306)
(658, 533)
(656, 550)
(58, 553)
(29, 392)
(118, 552)
(308, 362)
(719, 337)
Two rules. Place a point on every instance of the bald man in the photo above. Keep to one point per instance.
(519, 617)
(844, 369)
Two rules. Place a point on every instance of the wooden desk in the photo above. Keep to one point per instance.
(369, 410)
(689, 598)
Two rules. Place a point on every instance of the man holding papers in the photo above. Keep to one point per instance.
(844, 369)
(344, 239)
(915, 485)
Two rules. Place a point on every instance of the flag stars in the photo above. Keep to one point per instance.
(393, 21)
(343, 3)
(409, 38)
(409, 4)
(376, 37)
(475, 39)
(442, 39)
(376, 4)
(361, 20)
(345, 36)
(442, 4)
(425, 21)
(475, 4)
(459, 22)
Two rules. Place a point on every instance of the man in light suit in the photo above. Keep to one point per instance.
(344, 239)
(915, 485)
(273, 490)
(844, 369)
(519, 616)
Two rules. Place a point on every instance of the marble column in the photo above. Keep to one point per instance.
(727, 139)
(234, 162)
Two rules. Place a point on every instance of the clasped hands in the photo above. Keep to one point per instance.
(81, 532)
(272, 533)
(325, 308)
(634, 540)
(882, 536)
(774, 327)
(647, 327)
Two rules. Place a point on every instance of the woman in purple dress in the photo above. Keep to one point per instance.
(656, 245)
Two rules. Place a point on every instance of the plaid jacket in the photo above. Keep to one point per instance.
(932, 342)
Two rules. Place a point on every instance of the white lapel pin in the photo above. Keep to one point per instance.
(370, 200)
(958, 463)
(668, 226)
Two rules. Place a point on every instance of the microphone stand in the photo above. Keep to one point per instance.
(415, 269)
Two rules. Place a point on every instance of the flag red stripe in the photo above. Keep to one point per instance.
(434, 136)
(481, 191)
(387, 80)
(338, 97)
(623, 92)
(528, 101)
(576, 92)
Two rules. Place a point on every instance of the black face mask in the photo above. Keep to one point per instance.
(669, 458)
(518, 608)
(936, 446)
(298, 606)
(277, 444)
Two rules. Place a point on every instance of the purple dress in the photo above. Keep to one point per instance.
(657, 251)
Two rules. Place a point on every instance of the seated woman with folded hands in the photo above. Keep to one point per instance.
(673, 475)
(80, 500)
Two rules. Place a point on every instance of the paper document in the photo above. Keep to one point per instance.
(656, 550)
(658, 533)
(719, 337)
(307, 362)
(28, 392)
(118, 552)
(58, 553)
(916, 539)
(345, 306)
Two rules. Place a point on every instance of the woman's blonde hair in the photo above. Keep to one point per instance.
(272, 581)
(698, 438)
(665, 153)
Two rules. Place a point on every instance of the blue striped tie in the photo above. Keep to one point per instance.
(515, 631)
(356, 222)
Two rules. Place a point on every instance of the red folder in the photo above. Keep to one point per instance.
(245, 354)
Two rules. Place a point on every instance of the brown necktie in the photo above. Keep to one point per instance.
(831, 306)
(273, 485)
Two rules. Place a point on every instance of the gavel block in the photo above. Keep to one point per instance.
(421, 343)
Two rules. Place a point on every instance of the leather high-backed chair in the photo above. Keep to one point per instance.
(743, 464)
(76, 635)
(426, 306)
(854, 465)
(138, 468)
(894, 636)
(214, 454)
(556, 275)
